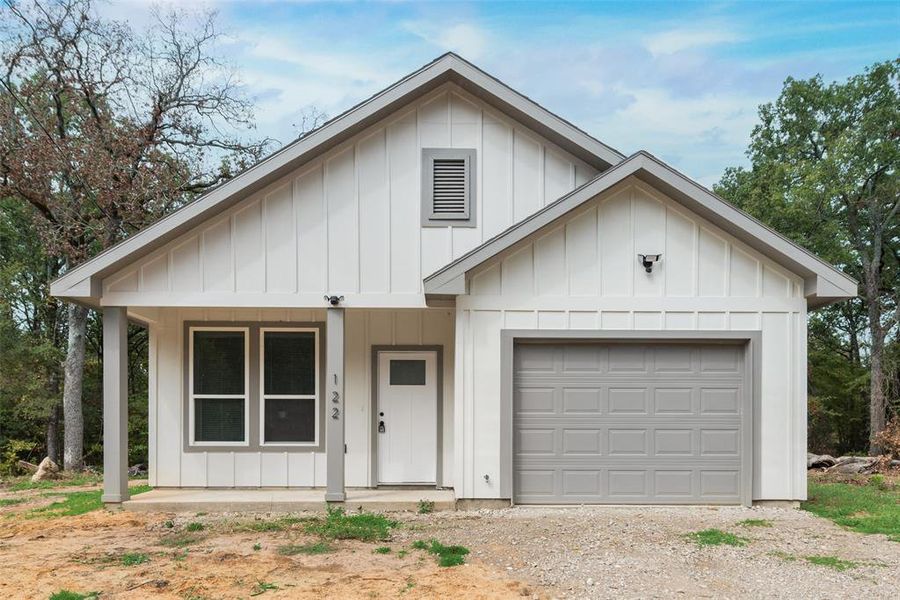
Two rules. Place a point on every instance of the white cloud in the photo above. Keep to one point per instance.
(678, 40)
(464, 38)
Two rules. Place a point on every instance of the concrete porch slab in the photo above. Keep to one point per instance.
(282, 500)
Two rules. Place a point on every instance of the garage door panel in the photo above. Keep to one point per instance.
(628, 423)
(582, 441)
(582, 400)
(671, 400)
(720, 400)
(628, 442)
(628, 359)
(674, 442)
(628, 400)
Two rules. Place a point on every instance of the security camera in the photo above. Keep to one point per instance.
(647, 261)
(334, 300)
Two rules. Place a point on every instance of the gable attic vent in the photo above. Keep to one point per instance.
(447, 187)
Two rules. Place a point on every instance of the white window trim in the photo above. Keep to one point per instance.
(262, 382)
(245, 396)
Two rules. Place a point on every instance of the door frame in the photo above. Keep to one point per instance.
(373, 407)
(750, 340)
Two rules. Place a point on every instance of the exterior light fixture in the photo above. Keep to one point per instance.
(647, 260)
(334, 300)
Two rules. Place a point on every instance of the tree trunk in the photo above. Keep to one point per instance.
(53, 434)
(74, 373)
(877, 398)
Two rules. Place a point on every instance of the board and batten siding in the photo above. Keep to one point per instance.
(349, 222)
(171, 466)
(583, 273)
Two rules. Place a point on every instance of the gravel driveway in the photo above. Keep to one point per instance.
(614, 552)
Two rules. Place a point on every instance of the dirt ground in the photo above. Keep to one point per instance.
(540, 552)
(84, 554)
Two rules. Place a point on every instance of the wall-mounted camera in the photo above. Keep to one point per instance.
(647, 261)
(334, 300)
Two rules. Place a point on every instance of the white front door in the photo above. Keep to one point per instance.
(406, 417)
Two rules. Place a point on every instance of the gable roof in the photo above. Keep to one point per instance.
(83, 283)
(823, 283)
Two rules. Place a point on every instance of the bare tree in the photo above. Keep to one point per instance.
(104, 129)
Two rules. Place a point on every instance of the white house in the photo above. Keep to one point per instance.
(450, 286)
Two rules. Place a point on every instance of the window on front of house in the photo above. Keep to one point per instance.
(289, 367)
(218, 385)
(448, 187)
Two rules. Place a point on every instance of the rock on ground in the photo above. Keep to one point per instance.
(46, 470)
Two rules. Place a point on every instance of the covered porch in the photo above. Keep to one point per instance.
(343, 460)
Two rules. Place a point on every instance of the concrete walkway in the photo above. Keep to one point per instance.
(283, 500)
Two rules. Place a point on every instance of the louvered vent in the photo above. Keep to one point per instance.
(449, 189)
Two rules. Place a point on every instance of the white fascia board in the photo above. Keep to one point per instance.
(448, 67)
(694, 197)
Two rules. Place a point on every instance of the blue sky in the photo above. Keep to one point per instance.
(680, 79)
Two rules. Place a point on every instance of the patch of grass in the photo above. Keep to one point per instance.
(11, 501)
(862, 508)
(832, 562)
(401, 553)
(180, 539)
(382, 550)
(267, 525)
(338, 525)
(75, 480)
(132, 559)
(194, 526)
(426, 507)
(447, 556)
(784, 555)
(716, 537)
(257, 547)
(67, 595)
(262, 587)
(755, 523)
(77, 503)
(170, 524)
(314, 548)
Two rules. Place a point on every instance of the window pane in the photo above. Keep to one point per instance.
(218, 420)
(290, 367)
(218, 362)
(407, 372)
(290, 420)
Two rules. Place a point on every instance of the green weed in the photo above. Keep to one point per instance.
(382, 550)
(755, 523)
(716, 537)
(338, 525)
(314, 548)
(426, 507)
(447, 556)
(131, 559)
(67, 595)
(832, 562)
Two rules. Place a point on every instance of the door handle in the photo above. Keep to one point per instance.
(380, 426)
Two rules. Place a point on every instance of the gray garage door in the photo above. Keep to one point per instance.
(627, 423)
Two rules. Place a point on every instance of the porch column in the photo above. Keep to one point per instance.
(115, 405)
(334, 404)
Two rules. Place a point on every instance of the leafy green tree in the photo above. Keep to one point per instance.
(824, 162)
(103, 129)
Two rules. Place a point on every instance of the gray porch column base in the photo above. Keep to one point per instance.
(115, 405)
(334, 405)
